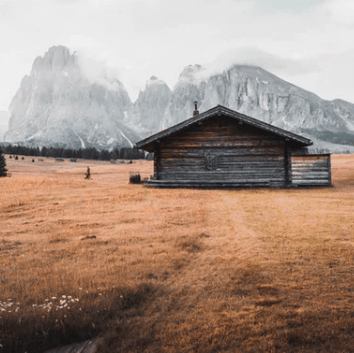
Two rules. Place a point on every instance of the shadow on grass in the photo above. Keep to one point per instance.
(36, 332)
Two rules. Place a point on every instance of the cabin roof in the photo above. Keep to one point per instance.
(221, 110)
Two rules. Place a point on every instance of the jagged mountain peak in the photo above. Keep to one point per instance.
(150, 106)
(153, 81)
(56, 58)
(260, 94)
(59, 105)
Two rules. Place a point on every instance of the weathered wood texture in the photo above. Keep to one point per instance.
(222, 151)
(311, 170)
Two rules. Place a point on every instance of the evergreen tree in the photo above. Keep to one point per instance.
(44, 152)
(113, 154)
(104, 155)
(3, 170)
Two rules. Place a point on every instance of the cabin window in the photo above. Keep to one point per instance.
(211, 161)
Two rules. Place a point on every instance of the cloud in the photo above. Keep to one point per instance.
(4, 8)
(253, 56)
(158, 37)
(341, 11)
(98, 71)
(67, 1)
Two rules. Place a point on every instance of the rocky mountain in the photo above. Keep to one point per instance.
(57, 105)
(4, 122)
(262, 95)
(150, 107)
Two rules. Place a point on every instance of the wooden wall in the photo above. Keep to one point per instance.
(237, 153)
(311, 170)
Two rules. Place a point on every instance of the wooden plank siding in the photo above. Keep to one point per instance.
(243, 154)
(311, 170)
(222, 148)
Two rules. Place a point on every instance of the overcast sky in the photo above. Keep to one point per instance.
(306, 42)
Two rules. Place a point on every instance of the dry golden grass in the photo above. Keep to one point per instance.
(159, 270)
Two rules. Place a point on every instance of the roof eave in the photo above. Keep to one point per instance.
(228, 112)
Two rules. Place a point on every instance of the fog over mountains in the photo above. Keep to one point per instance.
(59, 104)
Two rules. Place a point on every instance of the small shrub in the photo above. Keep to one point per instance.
(23, 158)
(10, 156)
(134, 178)
(16, 158)
(3, 170)
(32, 160)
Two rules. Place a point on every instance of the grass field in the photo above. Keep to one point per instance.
(159, 270)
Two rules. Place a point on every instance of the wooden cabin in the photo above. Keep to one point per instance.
(222, 148)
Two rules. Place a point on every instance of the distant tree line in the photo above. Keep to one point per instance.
(85, 153)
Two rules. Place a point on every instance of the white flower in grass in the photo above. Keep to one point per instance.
(47, 300)
(65, 305)
(34, 304)
(69, 297)
(77, 299)
(54, 297)
(63, 296)
(80, 288)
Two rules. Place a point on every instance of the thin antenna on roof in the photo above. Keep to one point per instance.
(196, 111)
